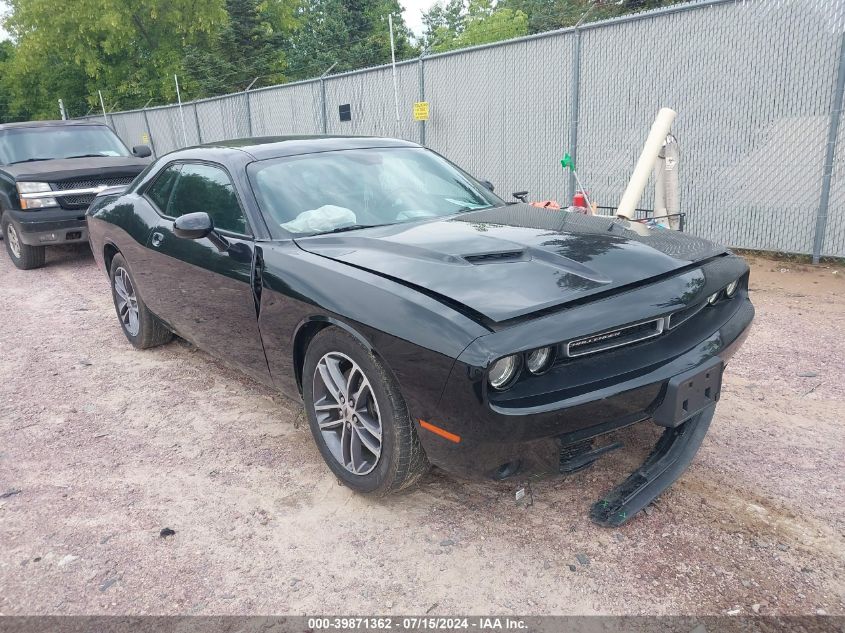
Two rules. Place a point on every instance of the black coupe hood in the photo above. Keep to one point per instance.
(69, 168)
(507, 262)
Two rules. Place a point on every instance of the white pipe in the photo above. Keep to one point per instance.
(634, 191)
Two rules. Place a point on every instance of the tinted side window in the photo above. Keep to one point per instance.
(207, 188)
(159, 191)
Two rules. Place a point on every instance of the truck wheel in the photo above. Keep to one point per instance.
(358, 416)
(22, 255)
(141, 327)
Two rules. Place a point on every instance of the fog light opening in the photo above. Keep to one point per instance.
(506, 470)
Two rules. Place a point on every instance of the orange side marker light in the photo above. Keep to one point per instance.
(441, 432)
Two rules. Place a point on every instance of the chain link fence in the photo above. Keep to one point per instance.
(754, 82)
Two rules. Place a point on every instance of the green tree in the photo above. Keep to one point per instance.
(130, 49)
(456, 25)
(250, 46)
(352, 33)
(548, 15)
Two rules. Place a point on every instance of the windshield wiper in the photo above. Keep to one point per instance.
(88, 156)
(352, 227)
(28, 160)
(468, 208)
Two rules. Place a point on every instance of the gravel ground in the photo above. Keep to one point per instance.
(101, 447)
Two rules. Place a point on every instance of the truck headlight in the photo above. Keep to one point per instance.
(36, 188)
(503, 371)
(730, 289)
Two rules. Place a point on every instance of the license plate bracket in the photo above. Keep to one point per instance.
(689, 393)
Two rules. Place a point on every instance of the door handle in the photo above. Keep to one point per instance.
(157, 239)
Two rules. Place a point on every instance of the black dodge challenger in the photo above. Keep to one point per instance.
(420, 318)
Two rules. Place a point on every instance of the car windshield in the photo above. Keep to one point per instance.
(45, 143)
(349, 189)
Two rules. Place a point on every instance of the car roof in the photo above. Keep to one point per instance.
(20, 124)
(263, 148)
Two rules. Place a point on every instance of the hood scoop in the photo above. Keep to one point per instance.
(494, 257)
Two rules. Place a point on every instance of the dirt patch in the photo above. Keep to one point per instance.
(102, 447)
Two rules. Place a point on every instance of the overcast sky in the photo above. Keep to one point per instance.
(3, 6)
(413, 14)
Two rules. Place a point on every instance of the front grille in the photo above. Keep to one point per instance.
(82, 201)
(627, 335)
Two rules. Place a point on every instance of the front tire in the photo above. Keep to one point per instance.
(141, 327)
(23, 256)
(358, 417)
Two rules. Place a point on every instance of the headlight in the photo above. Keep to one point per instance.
(36, 203)
(539, 360)
(33, 187)
(730, 289)
(502, 371)
(713, 298)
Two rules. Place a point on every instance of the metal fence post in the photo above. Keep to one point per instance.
(830, 150)
(576, 104)
(149, 131)
(323, 104)
(323, 95)
(248, 112)
(420, 66)
(197, 121)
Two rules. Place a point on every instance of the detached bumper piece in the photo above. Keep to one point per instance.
(578, 456)
(670, 458)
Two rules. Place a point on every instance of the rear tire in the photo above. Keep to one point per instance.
(336, 367)
(22, 255)
(140, 326)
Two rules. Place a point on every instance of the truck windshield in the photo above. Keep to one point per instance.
(44, 143)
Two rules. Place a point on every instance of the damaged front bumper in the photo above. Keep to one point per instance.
(680, 394)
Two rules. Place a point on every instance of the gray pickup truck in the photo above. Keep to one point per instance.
(50, 171)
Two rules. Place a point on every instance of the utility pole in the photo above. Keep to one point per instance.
(103, 106)
(393, 64)
(181, 112)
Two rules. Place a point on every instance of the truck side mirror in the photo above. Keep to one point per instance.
(142, 151)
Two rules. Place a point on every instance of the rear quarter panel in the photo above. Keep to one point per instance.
(124, 222)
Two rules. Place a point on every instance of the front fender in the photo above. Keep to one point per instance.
(417, 337)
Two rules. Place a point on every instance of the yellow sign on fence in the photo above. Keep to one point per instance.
(145, 138)
(421, 111)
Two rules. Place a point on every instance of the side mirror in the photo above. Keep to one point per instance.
(195, 226)
(522, 196)
(487, 184)
(142, 151)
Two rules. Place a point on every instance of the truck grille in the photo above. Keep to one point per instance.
(82, 201)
